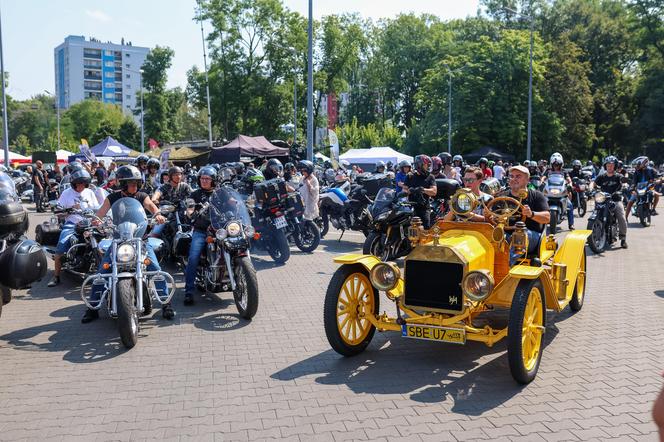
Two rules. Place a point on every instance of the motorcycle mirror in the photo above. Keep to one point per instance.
(167, 208)
(189, 203)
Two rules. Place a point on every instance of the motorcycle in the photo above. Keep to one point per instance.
(556, 192)
(303, 232)
(269, 218)
(345, 207)
(644, 203)
(175, 235)
(128, 290)
(226, 263)
(602, 221)
(579, 198)
(390, 215)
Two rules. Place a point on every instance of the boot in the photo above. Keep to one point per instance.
(167, 311)
(54, 281)
(89, 316)
(188, 299)
(623, 243)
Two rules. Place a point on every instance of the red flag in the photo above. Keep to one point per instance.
(152, 144)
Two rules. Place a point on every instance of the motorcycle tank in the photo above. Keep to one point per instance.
(22, 263)
(13, 217)
(226, 204)
(129, 217)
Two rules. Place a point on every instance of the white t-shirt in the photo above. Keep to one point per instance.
(498, 172)
(86, 199)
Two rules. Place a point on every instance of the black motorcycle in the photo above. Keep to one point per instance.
(644, 203)
(390, 214)
(602, 221)
(344, 212)
(226, 263)
(579, 198)
(269, 219)
(303, 232)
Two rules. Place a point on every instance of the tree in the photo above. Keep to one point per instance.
(105, 129)
(129, 133)
(157, 114)
(21, 145)
(83, 119)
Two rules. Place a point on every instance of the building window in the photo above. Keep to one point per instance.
(127, 55)
(109, 74)
(109, 64)
(109, 85)
(127, 76)
(108, 53)
(127, 65)
(128, 97)
(128, 86)
(109, 95)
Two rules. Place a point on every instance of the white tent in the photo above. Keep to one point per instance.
(15, 158)
(321, 157)
(63, 155)
(373, 155)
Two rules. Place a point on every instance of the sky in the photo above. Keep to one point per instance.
(31, 29)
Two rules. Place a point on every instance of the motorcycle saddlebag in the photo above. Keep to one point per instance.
(13, 219)
(22, 263)
(269, 193)
(445, 188)
(47, 234)
(376, 182)
(294, 203)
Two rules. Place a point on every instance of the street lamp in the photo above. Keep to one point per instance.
(530, 78)
(5, 129)
(449, 105)
(310, 86)
(140, 87)
(57, 111)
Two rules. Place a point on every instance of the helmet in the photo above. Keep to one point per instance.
(153, 162)
(527, 163)
(125, 174)
(289, 167)
(556, 158)
(327, 164)
(577, 163)
(620, 164)
(142, 160)
(589, 163)
(436, 164)
(446, 158)
(208, 171)
(273, 169)
(423, 164)
(651, 163)
(483, 160)
(610, 159)
(75, 166)
(458, 158)
(253, 175)
(389, 165)
(641, 162)
(239, 168)
(380, 165)
(173, 170)
(80, 176)
(404, 163)
(306, 165)
(344, 164)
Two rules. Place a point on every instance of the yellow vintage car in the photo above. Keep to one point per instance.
(457, 274)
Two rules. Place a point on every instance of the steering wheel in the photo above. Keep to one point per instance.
(504, 207)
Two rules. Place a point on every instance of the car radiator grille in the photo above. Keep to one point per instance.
(433, 284)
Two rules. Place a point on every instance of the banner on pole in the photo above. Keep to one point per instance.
(334, 148)
(163, 159)
(85, 150)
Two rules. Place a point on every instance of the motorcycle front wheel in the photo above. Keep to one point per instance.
(644, 215)
(553, 223)
(308, 236)
(373, 245)
(127, 315)
(582, 207)
(278, 248)
(246, 288)
(597, 239)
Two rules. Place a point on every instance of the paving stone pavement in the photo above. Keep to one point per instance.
(210, 375)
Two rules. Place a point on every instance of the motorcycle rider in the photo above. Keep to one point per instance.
(342, 172)
(207, 180)
(449, 171)
(141, 163)
(152, 177)
(130, 180)
(437, 167)
(420, 186)
(404, 170)
(486, 170)
(557, 163)
(472, 180)
(175, 189)
(643, 174)
(576, 169)
(78, 196)
(273, 169)
(380, 167)
(457, 163)
(309, 189)
(611, 182)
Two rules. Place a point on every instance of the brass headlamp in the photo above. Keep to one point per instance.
(415, 231)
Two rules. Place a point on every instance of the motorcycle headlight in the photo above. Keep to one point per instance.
(125, 253)
(477, 285)
(385, 276)
(554, 191)
(600, 197)
(221, 234)
(249, 231)
(233, 229)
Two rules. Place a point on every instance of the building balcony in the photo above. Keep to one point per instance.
(92, 77)
(95, 55)
(91, 66)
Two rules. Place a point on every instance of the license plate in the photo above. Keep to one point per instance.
(280, 222)
(430, 333)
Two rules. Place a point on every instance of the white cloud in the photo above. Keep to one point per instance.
(98, 15)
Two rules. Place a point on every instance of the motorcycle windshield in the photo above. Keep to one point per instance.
(226, 204)
(129, 217)
(556, 180)
(7, 189)
(383, 199)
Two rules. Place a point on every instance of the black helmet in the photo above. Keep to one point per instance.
(273, 169)
(125, 174)
(445, 157)
(380, 165)
(577, 164)
(289, 167)
(327, 164)
(483, 160)
(610, 159)
(153, 162)
(239, 168)
(423, 164)
(142, 160)
(208, 171)
(402, 164)
(75, 166)
(306, 165)
(80, 176)
(389, 165)
(173, 170)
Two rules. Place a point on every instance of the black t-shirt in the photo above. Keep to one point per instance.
(113, 197)
(537, 203)
(202, 220)
(608, 183)
(575, 173)
(38, 176)
(417, 180)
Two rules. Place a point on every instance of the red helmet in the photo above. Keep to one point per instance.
(437, 164)
(423, 164)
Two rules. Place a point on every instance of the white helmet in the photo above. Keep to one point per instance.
(556, 158)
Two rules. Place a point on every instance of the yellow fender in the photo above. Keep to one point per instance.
(571, 254)
(369, 261)
(504, 292)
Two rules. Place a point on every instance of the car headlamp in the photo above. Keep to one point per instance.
(463, 202)
(221, 234)
(233, 229)
(477, 285)
(600, 197)
(385, 276)
(125, 253)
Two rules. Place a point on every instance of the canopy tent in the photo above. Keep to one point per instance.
(15, 158)
(110, 147)
(63, 155)
(320, 157)
(368, 157)
(247, 147)
(488, 152)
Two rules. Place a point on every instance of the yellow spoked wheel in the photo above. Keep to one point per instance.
(350, 298)
(525, 330)
(579, 295)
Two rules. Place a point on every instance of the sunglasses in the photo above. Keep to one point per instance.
(515, 177)
(469, 180)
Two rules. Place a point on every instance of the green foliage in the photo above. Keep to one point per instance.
(355, 136)
(83, 119)
(129, 134)
(105, 129)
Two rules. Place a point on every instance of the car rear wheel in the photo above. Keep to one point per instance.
(580, 288)
(349, 299)
(526, 330)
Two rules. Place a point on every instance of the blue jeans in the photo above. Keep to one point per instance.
(65, 237)
(533, 243)
(197, 246)
(570, 213)
(161, 286)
